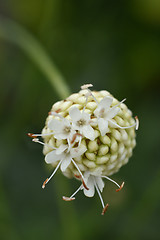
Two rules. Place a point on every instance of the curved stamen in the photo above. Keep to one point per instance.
(119, 103)
(137, 121)
(111, 180)
(48, 179)
(83, 182)
(71, 198)
(135, 124)
(119, 189)
(42, 143)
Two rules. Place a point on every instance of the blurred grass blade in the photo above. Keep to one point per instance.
(14, 33)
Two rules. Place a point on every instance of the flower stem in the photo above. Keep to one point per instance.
(15, 33)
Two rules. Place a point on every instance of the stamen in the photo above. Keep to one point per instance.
(74, 137)
(67, 199)
(86, 86)
(48, 179)
(119, 103)
(119, 189)
(44, 183)
(105, 209)
(33, 135)
(80, 188)
(85, 186)
(77, 176)
(111, 180)
(100, 196)
(42, 143)
(135, 124)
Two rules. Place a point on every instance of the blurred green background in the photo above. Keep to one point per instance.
(115, 45)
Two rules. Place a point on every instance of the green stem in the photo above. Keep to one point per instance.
(14, 33)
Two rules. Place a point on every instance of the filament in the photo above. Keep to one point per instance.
(48, 179)
(100, 196)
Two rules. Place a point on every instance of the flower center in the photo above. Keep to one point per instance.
(101, 113)
(81, 122)
(67, 129)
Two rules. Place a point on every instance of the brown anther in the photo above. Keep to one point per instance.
(49, 113)
(31, 135)
(105, 209)
(83, 182)
(58, 110)
(67, 199)
(119, 189)
(77, 176)
(84, 185)
(74, 137)
(44, 184)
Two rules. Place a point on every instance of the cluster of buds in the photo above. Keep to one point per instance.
(89, 136)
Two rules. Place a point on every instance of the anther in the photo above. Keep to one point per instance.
(77, 176)
(44, 184)
(84, 185)
(137, 122)
(83, 182)
(85, 86)
(119, 189)
(105, 209)
(31, 135)
(68, 199)
(74, 137)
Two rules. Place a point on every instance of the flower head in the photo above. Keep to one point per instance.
(89, 136)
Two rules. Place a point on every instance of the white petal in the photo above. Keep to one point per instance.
(88, 132)
(75, 114)
(100, 183)
(66, 122)
(112, 113)
(76, 152)
(61, 149)
(90, 185)
(103, 126)
(60, 135)
(55, 125)
(65, 163)
(52, 157)
(86, 116)
(106, 103)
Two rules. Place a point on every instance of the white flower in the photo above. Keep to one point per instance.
(94, 181)
(65, 156)
(81, 122)
(62, 128)
(104, 114)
